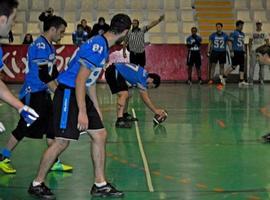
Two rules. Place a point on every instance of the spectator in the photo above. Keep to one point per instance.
(135, 41)
(258, 39)
(28, 39)
(194, 55)
(86, 28)
(100, 28)
(49, 12)
(79, 36)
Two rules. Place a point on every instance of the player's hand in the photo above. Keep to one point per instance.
(2, 128)
(161, 18)
(161, 113)
(28, 114)
(124, 54)
(232, 54)
(82, 121)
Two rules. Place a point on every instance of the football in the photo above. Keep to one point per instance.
(158, 120)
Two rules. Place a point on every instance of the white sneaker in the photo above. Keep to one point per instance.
(243, 83)
(222, 80)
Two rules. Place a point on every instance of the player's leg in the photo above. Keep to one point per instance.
(128, 117)
(240, 60)
(198, 64)
(98, 135)
(5, 155)
(253, 61)
(189, 81)
(261, 74)
(122, 97)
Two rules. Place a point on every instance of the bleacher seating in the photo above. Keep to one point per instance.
(180, 15)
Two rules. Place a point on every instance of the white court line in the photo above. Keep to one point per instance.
(145, 163)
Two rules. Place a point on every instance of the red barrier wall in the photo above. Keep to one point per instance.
(167, 60)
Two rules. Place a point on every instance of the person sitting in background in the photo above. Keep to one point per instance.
(86, 28)
(100, 28)
(28, 39)
(79, 36)
(43, 16)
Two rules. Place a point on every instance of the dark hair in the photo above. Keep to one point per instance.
(194, 28)
(219, 23)
(156, 79)
(119, 23)
(239, 22)
(7, 7)
(79, 26)
(53, 21)
(101, 19)
(26, 41)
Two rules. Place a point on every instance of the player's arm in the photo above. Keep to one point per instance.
(26, 112)
(93, 96)
(81, 79)
(8, 97)
(52, 86)
(147, 101)
(209, 48)
(155, 22)
(125, 43)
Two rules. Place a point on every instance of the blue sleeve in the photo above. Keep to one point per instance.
(1, 59)
(211, 37)
(91, 54)
(39, 53)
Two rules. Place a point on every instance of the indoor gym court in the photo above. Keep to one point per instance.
(209, 148)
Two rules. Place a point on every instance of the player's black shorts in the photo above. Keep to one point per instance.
(65, 112)
(194, 58)
(239, 59)
(41, 102)
(115, 80)
(218, 57)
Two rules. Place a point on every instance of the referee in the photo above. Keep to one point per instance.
(135, 41)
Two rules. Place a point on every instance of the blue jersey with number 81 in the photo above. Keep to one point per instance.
(93, 55)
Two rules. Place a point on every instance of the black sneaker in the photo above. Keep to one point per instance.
(41, 191)
(266, 137)
(121, 123)
(128, 117)
(106, 191)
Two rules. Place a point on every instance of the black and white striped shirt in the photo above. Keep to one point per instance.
(135, 40)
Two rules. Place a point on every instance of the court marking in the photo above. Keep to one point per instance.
(145, 162)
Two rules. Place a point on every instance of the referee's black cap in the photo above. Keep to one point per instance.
(119, 23)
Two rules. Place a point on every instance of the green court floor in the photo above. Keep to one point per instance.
(208, 149)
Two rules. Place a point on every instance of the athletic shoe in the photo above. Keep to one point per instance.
(243, 83)
(266, 137)
(58, 166)
(41, 191)
(222, 80)
(6, 166)
(106, 191)
(189, 82)
(121, 123)
(128, 117)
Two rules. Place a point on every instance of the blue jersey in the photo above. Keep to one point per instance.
(238, 40)
(194, 42)
(1, 59)
(41, 52)
(93, 55)
(134, 75)
(219, 41)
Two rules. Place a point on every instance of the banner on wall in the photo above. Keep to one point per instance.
(168, 60)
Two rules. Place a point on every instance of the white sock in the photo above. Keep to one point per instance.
(36, 183)
(101, 184)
